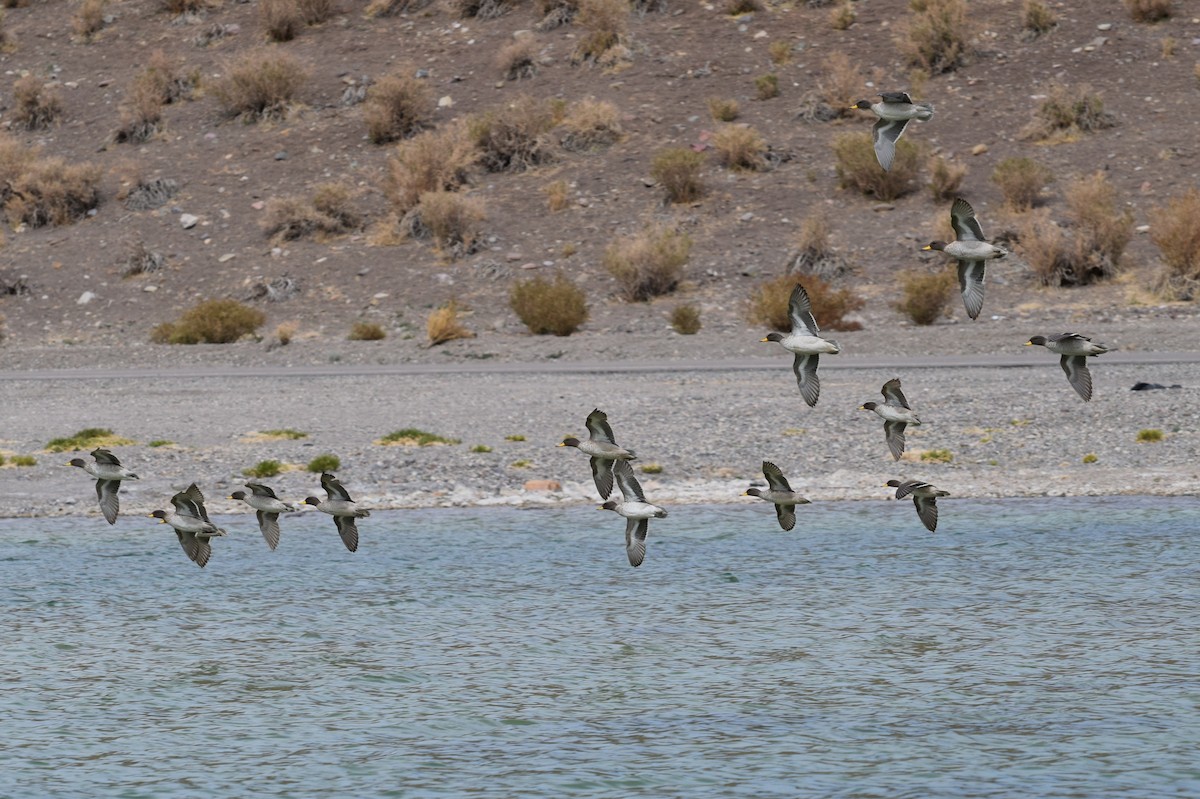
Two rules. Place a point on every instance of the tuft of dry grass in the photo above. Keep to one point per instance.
(767, 305)
(1090, 248)
(397, 107)
(1036, 18)
(590, 125)
(558, 197)
(515, 61)
(677, 171)
(780, 51)
(858, 168)
(767, 86)
(391, 8)
(452, 220)
(936, 35)
(841, 83)
(842, 16)
(43, 192)
(735, 8)
(605, 24)
(261, 84)
(443, 325)
(945, 178)
(315, 12)
(1176, 233)
(1067, 111)
(88, 19)
(813, 254)
(1148, 10)
(1021, 181)
(685, 320)
(210, 322)
(35, 105)
(648, 264)
(178, 7)
(141, 260)
(516, 137)
(281, 19)
(329, 211)
(740, 148)
(481, 9)
(549, 307)
(286, 331)
(723, 110)
(434, 160)
(157, 85)
(926, 295)
(366, 331)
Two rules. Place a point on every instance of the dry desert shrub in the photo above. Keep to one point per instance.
(1045, 247)
(648, 264)
(329, 211)
(260, 85)
(926, 295)
(443, 325)
(1176, 233)
(367, 331)
(685, 320)
(936, 35)
(398, 106)
(391, 8)
(723, 110)
(556, 13)
(1037, 19)
(178, 7)
(1021, 181)
(88, 19)
(35, 105)
(767, 305)
(858, 168)
(590, 125)
(515, 137)
(481, 9)
(780, 52)
(767, 86)
(281, 19)
(840, 84)
(812, 253)
(740, 148)
(435, 160)
(738, 7)
(549, 307)
(677, 170)
(1090, 247)
(1068, 110)
(141, 114)
(515, 60)
(140, 194)
(7, 44)
(558, 196)
(842, 16)
(314, 12)
(605, 24)
(51, 192)
(14, 3)
(945, 178)
(450, 219)
(1148, 10)
(141, 260)
(210, 322)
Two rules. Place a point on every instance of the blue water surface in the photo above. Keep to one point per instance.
(1028, 648)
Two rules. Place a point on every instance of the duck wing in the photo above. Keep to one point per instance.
(885, 134)
(786, 515)
(800, 312)
(268, 523)
(105, 457)
(348, 530)
(197, 549)
(598, 429)
(185, 505)
(260, 490)
(896, 97)
(962, 219)
(805, 367)
(334, 489)
(775, 478)
(894, 433)
(631, 489)
(635, 540)
(927, 511)
(1078, 375)
(892, 395)
(602, 474)
(970, 283)
(907, 487)
(110, 505)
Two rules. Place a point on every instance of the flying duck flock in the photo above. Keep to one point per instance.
(610, 462)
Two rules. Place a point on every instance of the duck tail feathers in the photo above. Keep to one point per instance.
(925, 111)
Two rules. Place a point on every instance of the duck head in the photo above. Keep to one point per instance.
(161, 515)
(80, 462)
(862, 105)
(569, 441)
(610, 505)
(868, 406)
(773, 337)
(892, 484)
(1036, 340)
(238, 495)
(311, 501)
(935, 245)
(752, 492)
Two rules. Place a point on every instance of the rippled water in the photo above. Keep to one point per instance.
(1030, 648)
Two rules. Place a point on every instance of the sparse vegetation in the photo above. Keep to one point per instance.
(1149, 435)
(23, 460)
(1021, 181)
(1090, 458)
(780, 52)
(515, 437)
(481, 449)
(677, 171)
(281, 434)
(605, 24)
(443, 325)
(936, 456)
(841, 83)
(1036, 18)
(44, 191)
(722, 109)
(558, 197)
(842, 16)
(926, 295)
(285, 332)
(590, 125)
(327, 212)
(263, 469)
(1066, 111)
(324, 463)
(521, 463)
(391, 8)
(88, 438)
(315, 12)
(1091, 249)
(515, 61)
(685, 320)
(767, 86)
(210, 322)
(814, 253)
(412, 437)
(740, 147)
(858, 168)
(397, 107)
(767, 305)
(556, 307)
(945, 178)
(648, 264)
(936, 35)
(435, 160)
(1176, 233)
(178, 7)
(88, 19)
(450, 219)
(735, 8)
(35, 105)
(281, 19)
(1148, 10)
(516, 137)
(260, 85)
(367, 331)
(651, 468)
(160, 442)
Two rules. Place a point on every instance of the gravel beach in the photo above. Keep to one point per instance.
(1006, 430)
